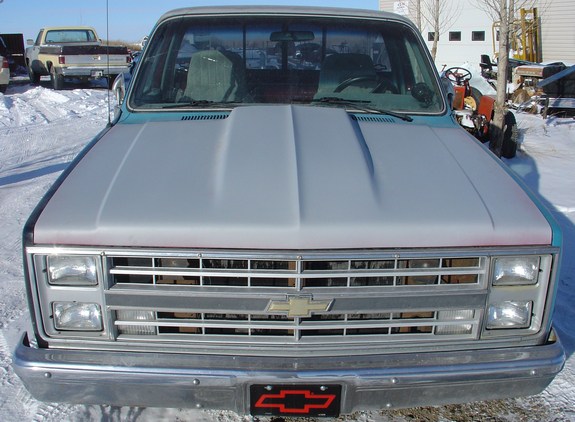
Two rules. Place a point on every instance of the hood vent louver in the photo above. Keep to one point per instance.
(206, 116)
(376, 119)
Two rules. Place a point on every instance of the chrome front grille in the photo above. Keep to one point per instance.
(247, 299)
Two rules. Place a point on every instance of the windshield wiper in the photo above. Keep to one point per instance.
(200, 103)
(359, 105)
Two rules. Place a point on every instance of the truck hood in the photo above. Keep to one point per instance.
(289, 177)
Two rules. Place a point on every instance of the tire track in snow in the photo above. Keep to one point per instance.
(23, 152)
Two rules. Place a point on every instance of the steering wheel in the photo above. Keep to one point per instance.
(354, 80)
(458, 75)
(384, 86)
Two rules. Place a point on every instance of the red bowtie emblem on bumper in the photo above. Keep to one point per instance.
(295, 401)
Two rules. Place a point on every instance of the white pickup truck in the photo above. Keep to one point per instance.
(74, 52)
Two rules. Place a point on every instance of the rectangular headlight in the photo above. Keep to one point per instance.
(509, 314)
(516, 270)
(77, 316)
(72, 270)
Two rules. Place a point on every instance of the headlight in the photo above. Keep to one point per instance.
(516, 270)
(518, 292)
(509, 315)
(72, 270)
(77, 316)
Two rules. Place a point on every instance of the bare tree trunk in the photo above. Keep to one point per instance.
(418, 14)
(434, 46)
(497, 126)
(436, 28)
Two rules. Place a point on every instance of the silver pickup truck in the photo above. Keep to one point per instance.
(286, 219)
(73, 52)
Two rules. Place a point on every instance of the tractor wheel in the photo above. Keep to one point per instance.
(476, 95)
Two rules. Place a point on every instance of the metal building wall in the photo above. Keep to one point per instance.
(557, 30)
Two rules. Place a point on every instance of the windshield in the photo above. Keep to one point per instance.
(199, 62)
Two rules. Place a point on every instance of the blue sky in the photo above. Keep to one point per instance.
(129, 20)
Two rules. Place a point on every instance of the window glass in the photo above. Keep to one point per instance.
(261, 53)
(478, 36)
(69, 36)
(455, 36)
(271, 46)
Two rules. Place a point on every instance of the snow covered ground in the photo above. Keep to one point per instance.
(42, 130)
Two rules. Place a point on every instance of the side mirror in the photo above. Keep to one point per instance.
(29, 41)
(448, 91)
(119, 89)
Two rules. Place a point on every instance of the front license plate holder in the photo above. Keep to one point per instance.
(295, 400)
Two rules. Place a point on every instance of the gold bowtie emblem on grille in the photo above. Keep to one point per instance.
(299, 306)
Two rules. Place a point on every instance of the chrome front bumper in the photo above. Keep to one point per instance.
(222, 382)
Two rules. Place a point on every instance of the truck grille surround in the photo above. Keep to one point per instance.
(280, 303)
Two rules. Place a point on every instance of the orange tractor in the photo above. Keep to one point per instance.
(475, 111)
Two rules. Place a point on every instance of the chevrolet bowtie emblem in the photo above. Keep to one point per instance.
(299, 306)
